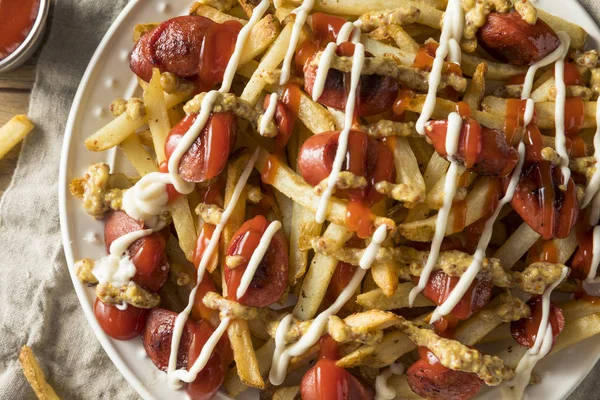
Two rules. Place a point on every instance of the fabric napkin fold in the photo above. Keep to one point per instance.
(38, 305)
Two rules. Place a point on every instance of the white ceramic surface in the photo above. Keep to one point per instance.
(107, 77)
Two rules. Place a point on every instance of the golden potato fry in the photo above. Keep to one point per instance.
(35, 375)
(13, 132)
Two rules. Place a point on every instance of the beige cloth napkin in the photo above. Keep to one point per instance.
(38, 305)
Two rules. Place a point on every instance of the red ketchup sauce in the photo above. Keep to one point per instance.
(16, 20)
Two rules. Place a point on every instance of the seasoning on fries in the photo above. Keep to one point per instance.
(361, 189)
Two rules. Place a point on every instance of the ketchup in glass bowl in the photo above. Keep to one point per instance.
(22, 23)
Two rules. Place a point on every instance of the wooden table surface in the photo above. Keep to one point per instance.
(15, 88)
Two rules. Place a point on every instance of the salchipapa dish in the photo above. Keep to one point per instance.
(361, 193)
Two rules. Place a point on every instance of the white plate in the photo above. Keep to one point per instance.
(107, 77)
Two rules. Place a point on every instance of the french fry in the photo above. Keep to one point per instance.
(400, 384)
(544, 111)
(212, 13)
(578, 34)
(287, 393)
(476, 200)
(264, 354)
(293, 186)
(183, 220)
(378, 48)
(113, 133)
(516, 245)
(270, 61)
(35, 376)
(316, 280)
(578, 330)
(13, 132)
(407, 168)
(476, 89)
(236, 219)
(138, 156)
(377, 299)
(246, 361)
(429, 15)
(496, 71)
(156, 110)
(393, 346)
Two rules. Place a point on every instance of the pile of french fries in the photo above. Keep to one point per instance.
(372, 336)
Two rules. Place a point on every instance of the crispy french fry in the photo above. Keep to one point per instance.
(393, 346)
(578, 330)
(476, 89)
(212, 13)
(183, 220)
(246, 361)
(287, 393)
(272, 58)
(13, 132)
(237, 217)
(264, 354)
(400, 385)
(122, 127)
(578, 34)
(138, 156)
(378, 48)
(496, 71)
(156, 110)
(293, 186)
(407, 168)
(544, 111)
(377, 299)
(35, 375)
(476, 206)
(316, 280)
(516, 245)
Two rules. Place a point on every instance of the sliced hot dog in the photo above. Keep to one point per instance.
(375, 93)
(510, 39)
(431, 380)
(157, 337)
(482, 150)
(147, 254)
(208, 155)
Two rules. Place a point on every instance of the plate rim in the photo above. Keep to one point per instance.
(106, 342)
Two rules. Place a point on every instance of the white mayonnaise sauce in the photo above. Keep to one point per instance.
(382, 390)
(450, 184)
(449, 46)
(147, 198)
(257, 256)
(559, 108)
(283, 354)
(175, 376)
(540, 348)
(301, 13)
(357, 63)
(268, 115)
(117, 268)
(475, 267)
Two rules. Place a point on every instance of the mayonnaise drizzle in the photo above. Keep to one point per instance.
(301, 13)
(449, 46)
(540, 348)
(322, 70)
(147, 198)
(269, 114)
(450, 184)
(382, 389)
(174, 376)
(559, 108)
(478, 257)
(256, 257)
(117, 268)
(283, 354)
